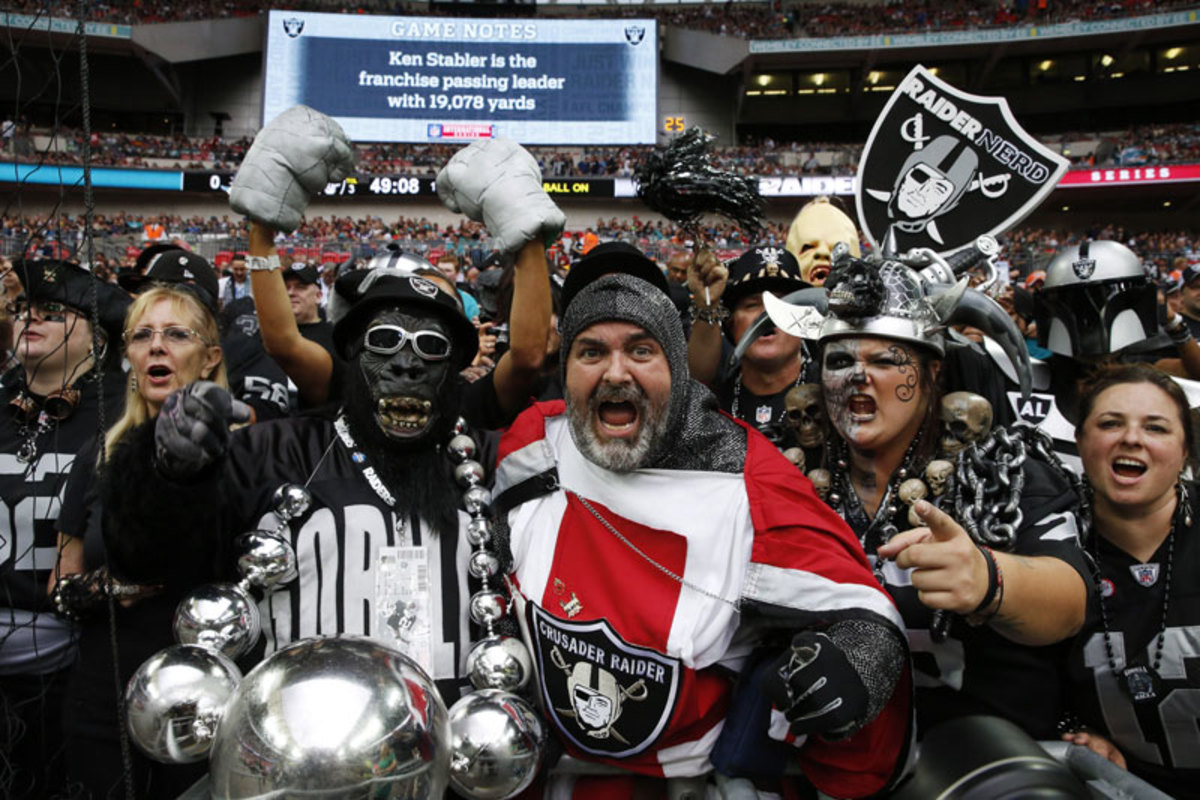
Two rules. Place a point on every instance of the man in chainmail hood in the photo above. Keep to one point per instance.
(687, 433)
(637, 480)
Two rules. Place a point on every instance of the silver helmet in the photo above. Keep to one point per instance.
(1096, 300)
(886, 298)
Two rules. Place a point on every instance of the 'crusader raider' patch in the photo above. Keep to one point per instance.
(943, 167)
(608, 697)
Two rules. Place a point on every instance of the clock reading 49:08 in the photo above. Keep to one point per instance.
(385, 185)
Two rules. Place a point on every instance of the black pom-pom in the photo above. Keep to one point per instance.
(681, 183)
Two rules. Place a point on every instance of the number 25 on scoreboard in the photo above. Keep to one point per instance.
(674, 124)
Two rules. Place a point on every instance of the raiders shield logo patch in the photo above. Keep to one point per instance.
(608, 697)
(1145, 574)
(943, 167)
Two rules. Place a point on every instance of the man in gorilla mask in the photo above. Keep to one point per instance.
(381, 486)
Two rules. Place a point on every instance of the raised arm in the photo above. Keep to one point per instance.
(307, 363)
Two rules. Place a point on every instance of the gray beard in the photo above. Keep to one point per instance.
(617, 455)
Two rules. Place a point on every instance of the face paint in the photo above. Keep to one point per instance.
(403, 387)
(872, 391)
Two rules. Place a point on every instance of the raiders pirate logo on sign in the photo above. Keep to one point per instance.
(942, 167)
(608, 697)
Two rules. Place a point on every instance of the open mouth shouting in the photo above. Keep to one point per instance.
(403, 417)
(617, 419)
(1128, 469)
(159, 375)
(818, 274)
(861, 407)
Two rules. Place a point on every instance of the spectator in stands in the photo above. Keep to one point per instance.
(303, 288)
(1189, 298)
(754, 390)
(53, 401)
(171, 340)
(234, 286)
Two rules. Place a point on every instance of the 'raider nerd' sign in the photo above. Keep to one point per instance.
(943, 167)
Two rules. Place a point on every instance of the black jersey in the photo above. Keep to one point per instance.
(254, 377)
(977, 670)
(1159, 736)
(32, 640)
(350, 545)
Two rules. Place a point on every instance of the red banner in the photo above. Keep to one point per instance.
(1129, 176)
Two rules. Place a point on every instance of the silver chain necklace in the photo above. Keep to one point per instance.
(735, 604)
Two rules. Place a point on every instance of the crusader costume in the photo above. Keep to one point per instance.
(641, 679)
(405, 341)
(959, 668)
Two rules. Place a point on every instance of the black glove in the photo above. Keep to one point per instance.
(817, 688)
(192, 430)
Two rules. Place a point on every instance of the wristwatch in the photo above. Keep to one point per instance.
(262, 263)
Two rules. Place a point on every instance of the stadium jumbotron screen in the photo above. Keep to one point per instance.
(429, 79)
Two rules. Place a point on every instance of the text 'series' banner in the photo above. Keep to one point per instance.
(424, 79)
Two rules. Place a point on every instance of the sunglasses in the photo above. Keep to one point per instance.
(48, 311)
(388, 339)
(173, 336)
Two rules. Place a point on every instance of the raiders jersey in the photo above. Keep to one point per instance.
(32, 639)
(1159, 734)
(633, 589)
(363, 569)
(976, 670)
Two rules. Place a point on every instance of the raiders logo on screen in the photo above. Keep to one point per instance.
(608, 697)
(293, 26)
(634, 34)
(942, 167)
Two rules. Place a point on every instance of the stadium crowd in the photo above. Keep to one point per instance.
(765, 20)
(1139, 145)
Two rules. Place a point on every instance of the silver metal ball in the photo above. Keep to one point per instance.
(469, 473)
(483, 564)
(333, 717)
(460, 426)
(462, 447)
(477, 499)
(175, 700)
(488, 606)
(264, 559)
(479, 531)
(497, 742)
(499, 662)
(291, 501)
(219, 616)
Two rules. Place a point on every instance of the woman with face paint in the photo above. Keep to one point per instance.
(881, 348)
(1129, 678)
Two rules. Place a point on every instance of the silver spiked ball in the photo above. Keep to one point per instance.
(219, 616)
(291, 501)
(333, 717)
(487, 606)
(499, 662)
(462, 447)
(469, 473)
(264, 559)
(497, 741)
(174, 702)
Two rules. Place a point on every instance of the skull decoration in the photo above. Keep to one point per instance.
(796, 456)
(966, 418)
(909, 493)
(805, 414)
(938, 475)
(822, 480)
